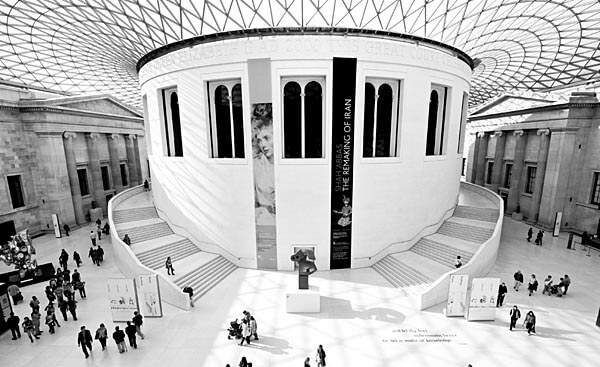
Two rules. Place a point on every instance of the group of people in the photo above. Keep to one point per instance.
(528, 322)
(133, 328)
(538, 237)
(249, 328)
(319, 358)
(560, 289)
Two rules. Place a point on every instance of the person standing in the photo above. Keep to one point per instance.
(50, 309)
(84, 340)
(138, 321)
(67, 229)
(190, 291)
(34, 304)
(127, 240)
(533, 285)
(100, 254)
(77, 258)
(78, 284)
(518, 276)
(15, 293)
(63, 307)
(502, 290)
(130, 330)
(566, 284)
(529, 322)
(101, 335)
(538, 239)
(320, 356)
(253, 327)
(245, 332)
(529, 234)
(50, 321)
(307, 362)
(146, 185)
(243, 362)
(63, 259)
(13, 323)
(72, 305)
(93, 237)
(169, 266)
(93, 255)
(119, 338)
(99, 231)
(515, 314)
(28, 328)
(547, 284)
(457, 262)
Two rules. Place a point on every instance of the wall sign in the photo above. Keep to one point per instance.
(343, 103)
(482, 301)
(149, 295)
(122, 299)
(457, 295)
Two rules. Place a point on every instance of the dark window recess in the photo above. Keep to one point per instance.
(223, 122)
(596, 189)
(432, 123)
(313, 114)
(16, 191)
(490, 170)
(105, 177)
(369, 121)
(508, 175)
(384, 121)
(124, 174)
(292, 128)
(176, 125)
(83, 181)
(238, 120)
(531, 172)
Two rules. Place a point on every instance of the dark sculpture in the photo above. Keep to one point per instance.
(19, 252)
(306, 267)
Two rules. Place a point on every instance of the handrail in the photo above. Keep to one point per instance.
(412, 238)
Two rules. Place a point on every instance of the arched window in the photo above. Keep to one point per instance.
(303, 128)
(226, 120)
(436, 121)
(381, 116)
(172, 138)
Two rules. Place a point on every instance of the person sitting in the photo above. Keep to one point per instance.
(127, 240)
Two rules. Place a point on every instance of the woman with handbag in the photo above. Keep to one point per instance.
(320, 356)
(101, 335)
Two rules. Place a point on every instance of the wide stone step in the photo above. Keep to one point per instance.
(145, 233)
(475, 213)
(156, 258)
(134, 214)
(207, 276)
(441, 253)
(400, 274)
(201, 271)
(465, 232)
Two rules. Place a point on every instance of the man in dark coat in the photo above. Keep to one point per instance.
(84, 340)
(119, 338)
(515, 314)
(13, 323)
(130, 330)
(138, 322)
(502, 290)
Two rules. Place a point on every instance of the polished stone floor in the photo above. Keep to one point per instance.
(364, 321)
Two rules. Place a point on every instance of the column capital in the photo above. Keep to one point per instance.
(114, 136)
(543, 131)
(69, 135)
(92, 136)
(132, 137)
(518, 133)
(481, 134)
(497, 134)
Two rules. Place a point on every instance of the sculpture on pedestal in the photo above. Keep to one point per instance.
(306, 267)
(19, 252)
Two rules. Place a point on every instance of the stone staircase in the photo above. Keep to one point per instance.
(434, 255)
(206, 276)
(153, 240)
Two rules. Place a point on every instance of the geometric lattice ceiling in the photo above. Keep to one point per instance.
(93, 45)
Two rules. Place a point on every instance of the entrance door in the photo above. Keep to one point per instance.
(7, 229)
(504, 196)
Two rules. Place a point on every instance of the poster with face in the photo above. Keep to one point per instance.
(264, 185)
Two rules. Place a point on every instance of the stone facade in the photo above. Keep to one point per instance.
(39, 134)
(561, 142)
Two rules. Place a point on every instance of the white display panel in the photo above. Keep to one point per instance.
(457, 295)
(482, 302)
(122, 299)
(150, 303)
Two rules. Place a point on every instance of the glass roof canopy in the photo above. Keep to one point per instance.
(89, 46)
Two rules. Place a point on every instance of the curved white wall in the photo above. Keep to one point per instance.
(393, 198)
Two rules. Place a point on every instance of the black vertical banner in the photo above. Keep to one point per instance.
(344, 90)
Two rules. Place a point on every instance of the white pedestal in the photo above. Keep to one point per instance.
(303, 300)
(517, 216)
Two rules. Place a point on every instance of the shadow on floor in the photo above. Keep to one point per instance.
(337, 308)
(268, 344)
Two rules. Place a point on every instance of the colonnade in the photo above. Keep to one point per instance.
(94, 166)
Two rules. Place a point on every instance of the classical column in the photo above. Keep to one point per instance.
(514, 193)
(136, 150)
(98, 188)
(540, 172)
(498, 160)
(115, 168)
(73, 178)
(473, 162)
(131, 160)
(483, 144)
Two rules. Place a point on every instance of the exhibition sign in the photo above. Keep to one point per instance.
(343, 102)
(482, 302)
(457, 295)
(149, 295)
(122, 299)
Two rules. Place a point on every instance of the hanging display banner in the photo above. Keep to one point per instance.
(557, 221)
(56, 226)
(149, 295)
(342, 143)
(122, 299)
(482, 302)
(457, 295)
(264, 185)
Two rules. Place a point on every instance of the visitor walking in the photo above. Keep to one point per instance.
(130, 330)
(100, 254)
(307, 362)
(15, 293)
(28, 328)
(138, 321)
(567, 283)
(78, 284)
(529, 322)
(34, 304)
(320, 358)
(190, 291)
(253, 327)
(50, 309)
(502, 290)
(99, 230)
(245, 332)
(102, 335)
(457, 262)
(243, 362)
(13, 323)
(547, 285)
(84, 340)
(169, 266)
(63, 307)
(72, 305)
(119, 338)
(538, 239)
(93, 237)
(146, 185)
(50, 322)
(67, 229)
(533, 285)
(63, 259)
(93, 254)
(77, 258)
(529, 234)
(515, 314)
(518, 276)
(36, 318)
